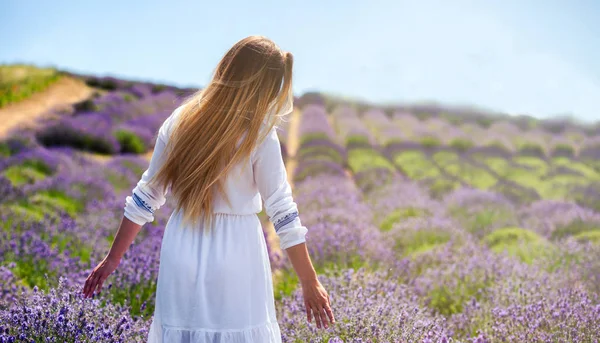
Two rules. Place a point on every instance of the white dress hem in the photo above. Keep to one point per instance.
(265, 333)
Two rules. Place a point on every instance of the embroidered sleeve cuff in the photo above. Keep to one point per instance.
(136, 211)
(292, 232)
(141, 203)
(285, 220)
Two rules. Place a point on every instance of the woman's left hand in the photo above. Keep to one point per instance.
(99, 275)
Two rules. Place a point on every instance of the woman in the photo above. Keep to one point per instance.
(219, 156)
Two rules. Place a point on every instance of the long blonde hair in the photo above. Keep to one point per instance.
(251, 82)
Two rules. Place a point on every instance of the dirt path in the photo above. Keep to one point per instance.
(100, 158)
(65, 91)
(148, 155)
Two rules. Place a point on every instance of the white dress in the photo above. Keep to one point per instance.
(215, 285)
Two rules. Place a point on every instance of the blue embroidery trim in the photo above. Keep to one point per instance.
(288, 218)
(141, 203)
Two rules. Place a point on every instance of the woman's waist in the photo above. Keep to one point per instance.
(218, 219)
(237, 205)
(225, 213)
(235, 214)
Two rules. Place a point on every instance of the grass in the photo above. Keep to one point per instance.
(362, 159)
(537, 163)
(134, 167)
(138, 296)
(441, 186)
(594, 164)
(26, 211)
(311, 170)
(461, 144)
(450, 300)
(285, 282)
(564, 149)
(357, 140)
(586, 170)
(4, 150)
(479, 223)
(119, 181)
(416, 165)
(43, 206)
(325, 158)
(32, 272)
(559, 187)
(475, 176)
(575, 228)
(499, 165)
(533, 148)
(67, 243)
(410, 242)
(443, 158)
(554, 187)
(324, 152)
(397, 215)
(57, 200)
(430, 142)
(73, 246)
(313, 136)
(524, 244)
(28, 172)
(588, 236)
(130, 142)
(18, 82)
(45, 203)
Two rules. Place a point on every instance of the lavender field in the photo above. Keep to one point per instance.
(426, 224)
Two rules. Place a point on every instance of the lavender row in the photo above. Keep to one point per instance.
(350, 129)
(56, 218)
(39, 245)
(113, 123)
(528, 178)
(369, 166)
(445, 251)
(501, 135)
(341, 224)
(318, 153)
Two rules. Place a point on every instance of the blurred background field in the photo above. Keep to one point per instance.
(426, 223)
(429, 221)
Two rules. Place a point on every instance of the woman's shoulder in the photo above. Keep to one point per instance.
(168, 125)
(269, 135)
(269, 144)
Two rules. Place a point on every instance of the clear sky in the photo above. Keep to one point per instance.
(540, 57)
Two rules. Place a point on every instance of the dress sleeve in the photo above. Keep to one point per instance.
(271, 178)
(145, 199)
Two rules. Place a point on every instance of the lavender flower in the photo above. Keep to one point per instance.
(63, 314)
(368, 307)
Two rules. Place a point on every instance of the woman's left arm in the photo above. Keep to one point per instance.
(127, 232)
(139, 209)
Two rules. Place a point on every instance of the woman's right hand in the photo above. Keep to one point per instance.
(316, 301)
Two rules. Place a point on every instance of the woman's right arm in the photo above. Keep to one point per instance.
(316, 299)
(271, 178)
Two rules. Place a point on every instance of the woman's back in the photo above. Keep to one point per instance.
(226, 267)
(241, 185)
